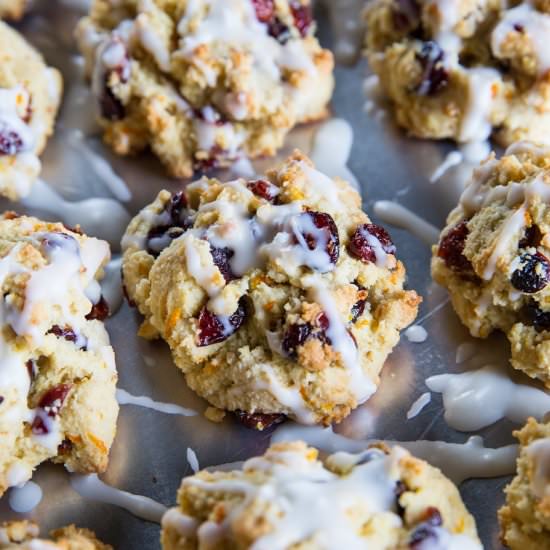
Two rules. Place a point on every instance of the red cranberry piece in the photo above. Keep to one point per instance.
(399, 489)
(324, 222)
(31, 368)
(278, 30)
(263, 189)
(1, 399)
(65, 447)
(39, 427)
(302, 16)
(177, 208)
(426, 530)
(99, 311)
(259, 421)
(110, 106)
(519, 28)
(357, 310)
(294, 337)
(68, 334)
(451, 248)
(434, 75)
(265, 10)
(222, 257)
(359, 246)
(406, 14)
(531, 238)
(11, 142)
(53, 399)
(533, 274)
(213, 329)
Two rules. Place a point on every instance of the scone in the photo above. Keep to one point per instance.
(493, 255)
(30, 93)
(288, 498)
(464, 69)
(58, 375)
(204, 83)
(276, 295)
(25, 536)
(12, 9)
(525, 518)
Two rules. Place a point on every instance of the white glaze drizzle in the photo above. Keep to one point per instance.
(478, 398)
(101, 217)
(539, 452)
(125, 398)
(192, 459)
(418, 405)
(416, 334)
(459, 461)
(91, 487)
(111, 285)
(397, 215)
(313, 503)
(453, 158)
(21, 168)
(26, 498)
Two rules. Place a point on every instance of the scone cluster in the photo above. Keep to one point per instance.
(204, 83)
(288, 498)
(25, 536)
(12, 9)
(276, 295)
(525, 518)
(464, 69)
(57, 376)
(494, 255)
(30, 93)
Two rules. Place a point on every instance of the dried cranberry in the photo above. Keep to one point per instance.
(1, 399)
(99, 311)
(31, 368)
(425, 530)
(434, 75)
(65, 447)
(160, 237)
(221, 258)
(357, 310)
(65, 332)
(264, 10)
(177, 208)
(451, 248)
(406, 14)
(531, 238)
(399, 489)
(110, 106)
(39, 426)
(213, 329)
(302, 16)
(53, 399)
(327, 227)
(259, 421)
(533, 274)
(363, 247)
(519, 28)
(278, 30)
(532, 315)
(263, 189)
(11, 142)
(294, 337)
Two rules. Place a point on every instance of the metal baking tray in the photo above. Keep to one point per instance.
(149, 453)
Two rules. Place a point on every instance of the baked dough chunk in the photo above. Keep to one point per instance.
(289, 499)
(494, 255)
(58, 375)
(525, 518)
(204, 83)
(276, 295)
(30, 93)
(24, 535)
(12, 9)
(464, 69)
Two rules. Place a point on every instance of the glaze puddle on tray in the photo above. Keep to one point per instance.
(125, 398)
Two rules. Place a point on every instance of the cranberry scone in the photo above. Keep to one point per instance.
(465, 69)
(494, 255)
(525, 518)
(25, 535)
(30, 93)
(12, 9)
(204, 83)
(288, 498)
(58, 375)
(276, 296)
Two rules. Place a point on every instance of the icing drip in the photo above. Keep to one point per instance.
(26, 498)
(193, 460)
(125, 398)
(478, 398)
(418, 405)
(399, 216)
(459, 461)
(416, 334)
(19, 165)
(91, 487)
(313, 501)
(539, 452)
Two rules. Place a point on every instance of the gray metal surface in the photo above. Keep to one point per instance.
(148, 456)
